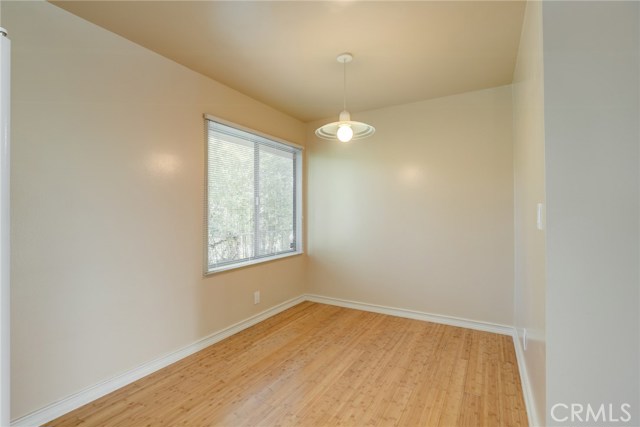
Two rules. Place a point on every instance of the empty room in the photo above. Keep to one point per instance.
(319, 213)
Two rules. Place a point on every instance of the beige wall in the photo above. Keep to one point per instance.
(107, 200)
(591, 158)
(528, 137)
(107, 207)
(419, 216)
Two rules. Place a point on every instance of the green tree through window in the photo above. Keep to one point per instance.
(252, 197)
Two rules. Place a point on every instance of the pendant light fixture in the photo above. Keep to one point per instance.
(345, 129)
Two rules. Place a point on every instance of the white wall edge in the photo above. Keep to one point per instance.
(92, 393)
(5, 227)
(416, 315)
(525, 384)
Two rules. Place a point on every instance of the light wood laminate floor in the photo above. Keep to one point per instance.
(320, 365)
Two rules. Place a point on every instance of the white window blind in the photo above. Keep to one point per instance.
(253, 197)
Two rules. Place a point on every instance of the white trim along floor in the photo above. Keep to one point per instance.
(94, 392)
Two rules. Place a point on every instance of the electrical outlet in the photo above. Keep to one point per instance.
(256, 297)
(524, 339)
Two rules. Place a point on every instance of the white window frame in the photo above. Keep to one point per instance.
(298, 186)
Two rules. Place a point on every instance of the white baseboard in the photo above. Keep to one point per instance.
(417, 315)
(525, 384)
(92, 393)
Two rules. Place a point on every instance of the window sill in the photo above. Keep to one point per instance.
(251, 262)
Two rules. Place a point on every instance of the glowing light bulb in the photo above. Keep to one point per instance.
(345, 133)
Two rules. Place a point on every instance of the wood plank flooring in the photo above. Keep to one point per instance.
(320, 365)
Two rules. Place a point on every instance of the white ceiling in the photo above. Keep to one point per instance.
(283, 52)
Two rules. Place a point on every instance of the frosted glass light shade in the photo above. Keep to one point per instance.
(359, 129)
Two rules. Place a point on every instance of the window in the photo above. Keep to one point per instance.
(253, 197)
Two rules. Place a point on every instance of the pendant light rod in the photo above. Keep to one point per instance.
(344, 86)
(344, 58)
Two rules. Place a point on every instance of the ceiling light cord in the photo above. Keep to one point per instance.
(344, 85)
